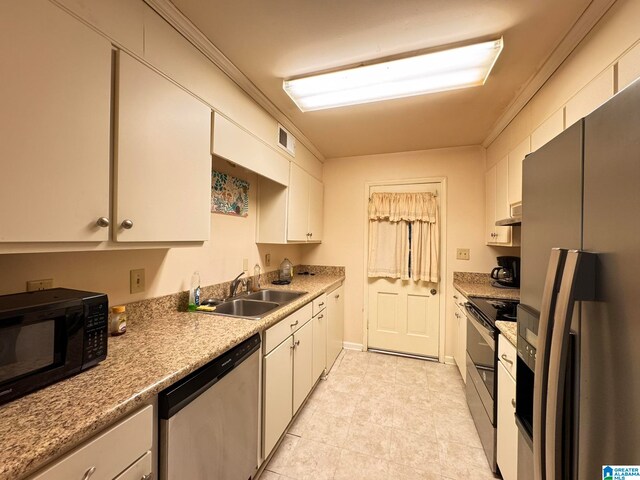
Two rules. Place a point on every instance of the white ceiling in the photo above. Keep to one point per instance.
(272, 40)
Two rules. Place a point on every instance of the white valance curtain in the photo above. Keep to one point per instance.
(404, 236)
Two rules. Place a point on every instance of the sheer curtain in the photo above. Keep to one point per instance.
(404, 236)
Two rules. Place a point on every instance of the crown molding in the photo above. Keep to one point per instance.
(589, 18)
(183, 25)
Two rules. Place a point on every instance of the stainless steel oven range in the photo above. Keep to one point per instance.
(482, 348)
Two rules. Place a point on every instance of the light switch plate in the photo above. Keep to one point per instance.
(136, 281)
(45, 283)
(462, 254)
(267, 260)
(245, 264)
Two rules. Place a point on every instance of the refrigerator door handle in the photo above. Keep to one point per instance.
(545, 328)
(578, 284)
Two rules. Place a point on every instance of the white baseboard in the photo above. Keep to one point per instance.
(352, 346)
(448, 359)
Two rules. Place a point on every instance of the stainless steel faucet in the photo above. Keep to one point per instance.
(234, 285)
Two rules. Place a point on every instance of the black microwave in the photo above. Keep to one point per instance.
(49, 335)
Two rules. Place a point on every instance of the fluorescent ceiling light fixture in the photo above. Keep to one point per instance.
(460, 67)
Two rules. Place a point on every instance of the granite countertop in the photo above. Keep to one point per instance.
(479, 285)
(509, 330)
(161, 346)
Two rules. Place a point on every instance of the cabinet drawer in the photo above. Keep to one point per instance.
(109, 453)
(138, 470)
(281, 330)
(459, 299)
(507, 355)
(319, 304)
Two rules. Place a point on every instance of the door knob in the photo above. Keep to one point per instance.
(127, 224)
(102, 222)
(433, 291)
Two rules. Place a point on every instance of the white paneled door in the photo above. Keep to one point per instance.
(404, 315)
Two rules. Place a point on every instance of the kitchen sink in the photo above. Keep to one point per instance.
(277, 296)
(243, 307)
(253, 306)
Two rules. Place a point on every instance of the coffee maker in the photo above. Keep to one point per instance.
(507, 274)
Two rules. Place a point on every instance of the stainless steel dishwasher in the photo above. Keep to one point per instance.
(209, 419)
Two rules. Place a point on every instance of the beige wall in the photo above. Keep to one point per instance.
(608, 42)
(345, 217)
(167, 270)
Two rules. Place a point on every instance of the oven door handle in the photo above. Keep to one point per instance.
(482, 330)
(540, 382)
(578, 284)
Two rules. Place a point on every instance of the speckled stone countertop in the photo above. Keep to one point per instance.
(158, 349)
(509, 330)
(479, 285)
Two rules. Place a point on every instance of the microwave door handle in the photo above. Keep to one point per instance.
(545, 328)
(578, 284)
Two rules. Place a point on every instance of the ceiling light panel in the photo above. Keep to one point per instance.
(460, 67)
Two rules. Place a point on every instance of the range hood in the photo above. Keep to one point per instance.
(514, 220)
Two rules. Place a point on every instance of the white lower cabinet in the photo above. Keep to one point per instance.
(507, 443)
(302, 365)
(278, 393)
(335, 324)
(460, 327)
(123, 452)
(319, 344)
(287, 373)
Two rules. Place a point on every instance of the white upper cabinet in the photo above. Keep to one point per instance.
(316, 209)
(290, 214)
(120, 20)
(594, 94)
(298, 205)
(516, 156)
(54, 127)
(304, 207)
(497, 205)
(162, 168)
(552, 126)
(232, 143)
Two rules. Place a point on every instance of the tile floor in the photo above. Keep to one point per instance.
(383, 417)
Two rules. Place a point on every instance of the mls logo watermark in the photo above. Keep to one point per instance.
(621, 472)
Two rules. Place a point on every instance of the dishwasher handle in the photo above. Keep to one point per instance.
(183, 392)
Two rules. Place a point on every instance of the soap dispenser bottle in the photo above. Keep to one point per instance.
(194, 292)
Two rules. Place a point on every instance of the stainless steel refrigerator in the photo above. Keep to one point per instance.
(578, 372)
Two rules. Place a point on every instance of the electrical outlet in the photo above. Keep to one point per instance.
(136, 281)
(462, 254)
(267, 260)
(245, 264)
(45, 283)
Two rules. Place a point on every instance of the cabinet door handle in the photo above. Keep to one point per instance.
(321, 304)
(296, 343)
(338, 295)
(506, 359)
(295, 323)
(457, 315)
(127, 224)
(103, 222)
(513, 402)
(146, 477)
(320, 317)
(455, 297)
(87, 475)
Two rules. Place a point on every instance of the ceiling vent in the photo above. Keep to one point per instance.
(286, 140)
